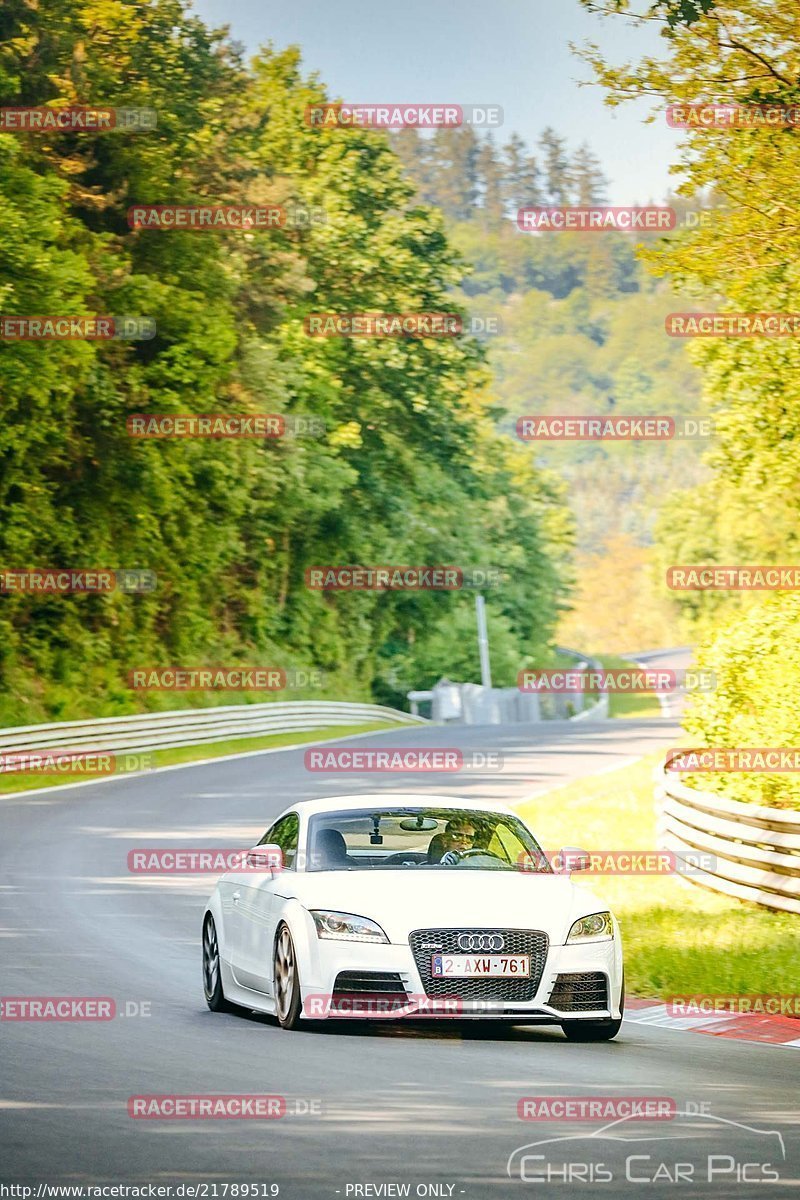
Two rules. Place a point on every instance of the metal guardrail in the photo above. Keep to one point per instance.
(194, 726)
(473, 704)
(756, 849)
(597, 711)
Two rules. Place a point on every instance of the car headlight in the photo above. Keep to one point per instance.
(346, 928)
(597, 928)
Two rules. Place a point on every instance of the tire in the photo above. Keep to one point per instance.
(212, 970)
(288, 1001)
(596, 1031)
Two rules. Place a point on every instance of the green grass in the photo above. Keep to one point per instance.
(25, 781)
(629, 704)
(678, 938)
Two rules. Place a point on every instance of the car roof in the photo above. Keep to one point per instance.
(386, 800)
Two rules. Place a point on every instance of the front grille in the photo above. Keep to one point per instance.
(368, 983)
(580, 993)
(516, 941)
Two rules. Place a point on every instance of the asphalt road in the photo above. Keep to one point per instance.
(433, 1107)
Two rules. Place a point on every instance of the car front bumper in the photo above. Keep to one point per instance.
(330, 958)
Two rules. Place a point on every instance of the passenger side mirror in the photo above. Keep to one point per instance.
(268, 857)
(571, 858)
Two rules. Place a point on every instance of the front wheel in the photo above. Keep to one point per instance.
(287, 981)
(212, 970)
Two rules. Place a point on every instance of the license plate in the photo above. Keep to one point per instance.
(491, 966)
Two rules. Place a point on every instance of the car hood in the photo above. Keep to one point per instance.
(401, 901)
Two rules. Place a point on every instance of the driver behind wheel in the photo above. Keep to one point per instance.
(458, 837)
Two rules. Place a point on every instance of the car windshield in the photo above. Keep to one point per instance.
(423, 839)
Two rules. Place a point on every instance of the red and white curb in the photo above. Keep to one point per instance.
(744, 1027)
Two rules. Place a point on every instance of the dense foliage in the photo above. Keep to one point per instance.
(755, 658)
(410, 470)
(746, 259)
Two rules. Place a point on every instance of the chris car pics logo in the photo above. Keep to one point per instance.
(710, 1154)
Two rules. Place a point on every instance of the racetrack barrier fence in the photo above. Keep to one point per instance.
(142, 732)
(756, 849)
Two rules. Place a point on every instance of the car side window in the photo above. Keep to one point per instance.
(506, 845)
(286, 834)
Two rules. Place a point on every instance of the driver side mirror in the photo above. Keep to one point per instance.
(571, 858)
(268, 857)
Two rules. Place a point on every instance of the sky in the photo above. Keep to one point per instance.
(514, 53)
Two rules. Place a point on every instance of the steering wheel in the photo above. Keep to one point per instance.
(475, 850)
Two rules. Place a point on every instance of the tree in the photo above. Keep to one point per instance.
(522, 180)
(556, 167)
(490, 172)
(755, 662)
(676, 12)
(587, 181)
(455, 149)
(619, 605)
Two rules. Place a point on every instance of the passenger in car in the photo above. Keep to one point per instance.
(330, 851)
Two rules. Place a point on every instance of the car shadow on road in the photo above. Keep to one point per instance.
(437, 1030)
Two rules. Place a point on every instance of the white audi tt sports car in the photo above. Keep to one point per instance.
(406, 907)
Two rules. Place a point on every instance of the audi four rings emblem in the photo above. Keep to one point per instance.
(480, 941)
